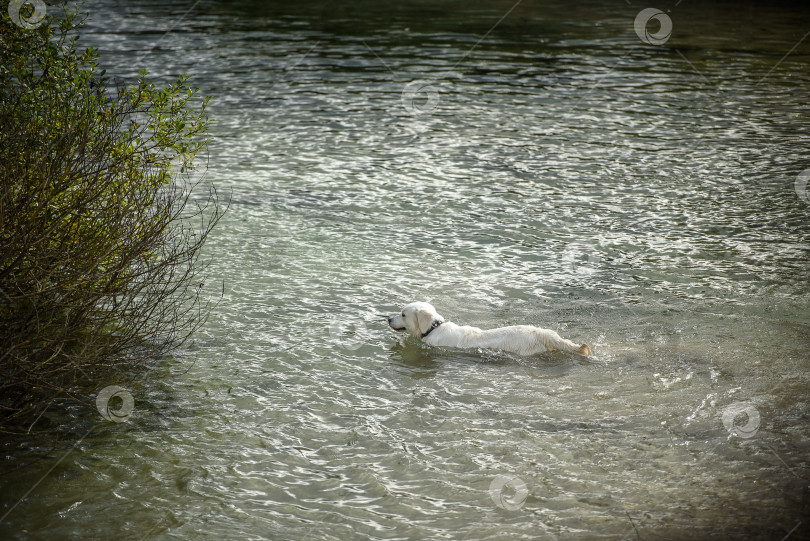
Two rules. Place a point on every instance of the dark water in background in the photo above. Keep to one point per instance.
(553, 170)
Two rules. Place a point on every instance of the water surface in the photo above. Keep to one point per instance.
(551, 169)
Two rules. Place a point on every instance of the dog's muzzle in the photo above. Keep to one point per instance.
(390, 319)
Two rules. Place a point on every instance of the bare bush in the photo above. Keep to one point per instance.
(100, 237)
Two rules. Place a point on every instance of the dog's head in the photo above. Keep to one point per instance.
(416, 318)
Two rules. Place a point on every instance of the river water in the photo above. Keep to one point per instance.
(536, 163)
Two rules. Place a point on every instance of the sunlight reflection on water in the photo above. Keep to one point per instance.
(637, 198)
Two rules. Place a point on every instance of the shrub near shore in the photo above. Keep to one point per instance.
(99, 237)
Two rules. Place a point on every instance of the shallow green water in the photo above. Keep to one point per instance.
(558, 172)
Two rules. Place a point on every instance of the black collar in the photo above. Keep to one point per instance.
(436, 323)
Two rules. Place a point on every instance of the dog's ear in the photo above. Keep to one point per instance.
(424, 319)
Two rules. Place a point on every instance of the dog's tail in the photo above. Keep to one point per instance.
(552, 340)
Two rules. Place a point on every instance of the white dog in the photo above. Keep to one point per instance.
(422, 321)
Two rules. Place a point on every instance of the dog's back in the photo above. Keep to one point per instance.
(520, 339)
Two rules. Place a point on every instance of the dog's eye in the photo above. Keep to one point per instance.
(402, 314)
